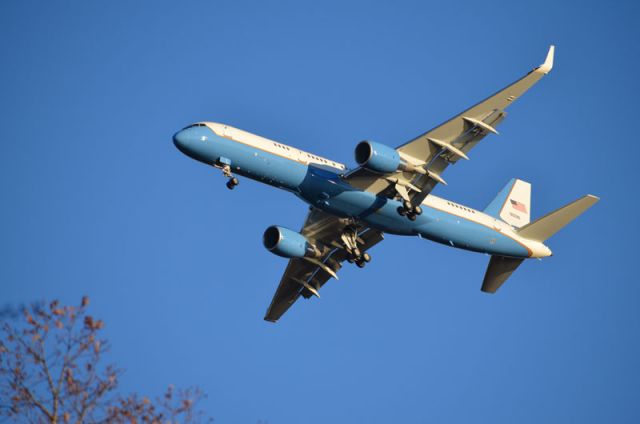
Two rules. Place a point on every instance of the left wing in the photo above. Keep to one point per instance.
(303, 277)
(431, 152)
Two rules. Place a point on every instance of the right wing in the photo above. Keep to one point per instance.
(445, 144)
(305, 278)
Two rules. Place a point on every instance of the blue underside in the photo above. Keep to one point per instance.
(325, 190)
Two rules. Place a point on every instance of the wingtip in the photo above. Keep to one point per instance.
(548, 62)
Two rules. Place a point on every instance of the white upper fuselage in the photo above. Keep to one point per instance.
(270, 146)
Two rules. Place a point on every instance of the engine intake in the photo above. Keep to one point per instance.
(287, 243)
(377, 157)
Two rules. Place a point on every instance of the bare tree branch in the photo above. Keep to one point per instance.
(51, 370)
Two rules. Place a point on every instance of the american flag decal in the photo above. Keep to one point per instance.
(518, 206)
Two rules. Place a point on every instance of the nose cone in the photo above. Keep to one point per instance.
(181, 140)
(196, 141)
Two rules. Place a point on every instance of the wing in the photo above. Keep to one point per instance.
(431, 152)
(303, 277)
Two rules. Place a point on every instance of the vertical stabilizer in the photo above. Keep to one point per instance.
(512, 204)
(500, 268)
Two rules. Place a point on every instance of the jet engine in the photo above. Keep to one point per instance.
(377, 157)
(383, 159)
(287, 243)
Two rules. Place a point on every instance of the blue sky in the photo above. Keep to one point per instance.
(96, 200)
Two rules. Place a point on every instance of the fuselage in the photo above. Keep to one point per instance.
(318, 181)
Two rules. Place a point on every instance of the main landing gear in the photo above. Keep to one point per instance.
(361, 260)
(233, 181)
(410, 211)
(350, 240)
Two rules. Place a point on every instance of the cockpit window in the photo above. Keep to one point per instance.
(194, 125)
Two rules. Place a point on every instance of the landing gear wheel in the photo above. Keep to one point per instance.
(401, 211)
(361, 263)
(417, 210)
(366, 257)
(412, 217)
(356, 252)
(233, 181)
(350, 260)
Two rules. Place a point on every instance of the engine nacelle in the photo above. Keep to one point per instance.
(287, 243)
(377, 157)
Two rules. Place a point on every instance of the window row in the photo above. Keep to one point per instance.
(282, 146)
(461, 207)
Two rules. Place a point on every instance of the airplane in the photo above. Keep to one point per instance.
(388, 193)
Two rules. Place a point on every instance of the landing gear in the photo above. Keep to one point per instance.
(363, 260)
(410, 211)
(233, 181)
(350, 241)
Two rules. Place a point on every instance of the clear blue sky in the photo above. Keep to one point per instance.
(96, 200)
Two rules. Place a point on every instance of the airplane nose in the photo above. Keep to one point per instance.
(181, 140)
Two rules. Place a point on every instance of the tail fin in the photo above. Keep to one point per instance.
(500, 268)
(512, 204)
(543, 228)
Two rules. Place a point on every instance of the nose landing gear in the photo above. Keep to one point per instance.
(233, 181)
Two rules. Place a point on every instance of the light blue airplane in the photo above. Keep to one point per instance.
(388, 193)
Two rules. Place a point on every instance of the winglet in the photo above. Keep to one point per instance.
(548, 62)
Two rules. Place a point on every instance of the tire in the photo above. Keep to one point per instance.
(361, 264)
(230, 186)
(366, 257)
(411, 217)
(401, 211)
(418, 210)
(235, 181)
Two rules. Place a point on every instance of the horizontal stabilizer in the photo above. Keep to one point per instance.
(500, 268)
(543, 228)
